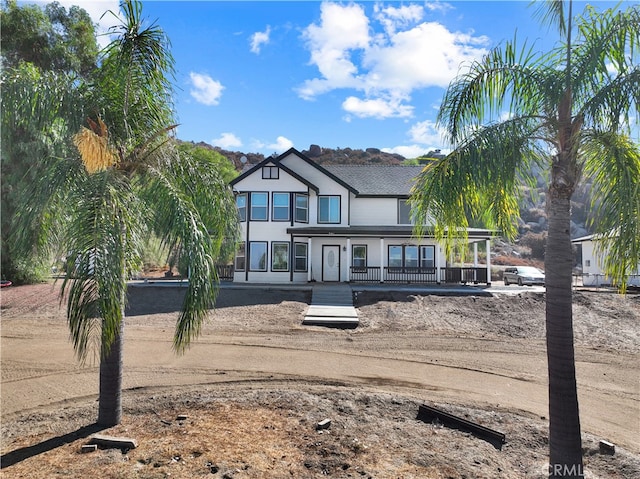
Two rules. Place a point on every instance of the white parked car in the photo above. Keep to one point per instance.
(522, 275)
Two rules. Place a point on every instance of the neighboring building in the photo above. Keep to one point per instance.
(303, 222)
(592, 271)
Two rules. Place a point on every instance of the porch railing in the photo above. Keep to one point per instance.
(225, 272)
(417, 275)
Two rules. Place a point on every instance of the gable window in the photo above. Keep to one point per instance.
(240, 257)
(302, 208)
(241, 204)
(258, 256)
(279, 256)
(359, 256)
(281, 207)
(328, 209)
(259, 206)
(300, 260)
(404, 213)
(270, 173)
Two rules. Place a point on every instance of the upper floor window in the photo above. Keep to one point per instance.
(259, 206)
(270, 173)
(302, 208)
(404, 213)
(328, 209)
(241, 204)
(281, 207)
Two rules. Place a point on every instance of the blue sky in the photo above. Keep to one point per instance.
(264, 76)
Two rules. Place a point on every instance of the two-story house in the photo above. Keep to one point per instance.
(303, 222)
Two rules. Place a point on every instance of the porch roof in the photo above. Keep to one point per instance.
(400, 231)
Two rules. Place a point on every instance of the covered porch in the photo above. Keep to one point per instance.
(365, 254)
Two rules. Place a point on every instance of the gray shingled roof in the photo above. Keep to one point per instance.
(377, 180)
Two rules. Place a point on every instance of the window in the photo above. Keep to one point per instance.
(241, 257)
(302, 208)
(329, 209)
(407, 256)
(270, 173)
(404, 213)
(411, 256)
(259, 206)
(241, 204)
(359, 256)
(427, 256)
(258, 256)
(279, 256)
(587, 262)
(281, 207)
(300, 260)
(395, 256)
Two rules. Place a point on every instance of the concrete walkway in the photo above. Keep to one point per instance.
(332, 306)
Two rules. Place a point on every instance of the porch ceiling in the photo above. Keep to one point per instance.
(400, 231)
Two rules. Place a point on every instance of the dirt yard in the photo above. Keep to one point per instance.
(255, 385)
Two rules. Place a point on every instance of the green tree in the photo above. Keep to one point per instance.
(50, 48)
(221, 164)
(569, 113)
(51, 38)
(123, 181)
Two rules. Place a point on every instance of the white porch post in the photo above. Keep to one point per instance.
(488, 247)
(309, 260)
(382, 260)
(348, 259)
(475, 255)
(438, 263)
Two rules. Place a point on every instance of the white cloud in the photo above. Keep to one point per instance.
(281, 145)
(260, 38)
(205, 89)
(408, 151)
(408, 54)
(227, 141)
(426, 133)
(376, 108)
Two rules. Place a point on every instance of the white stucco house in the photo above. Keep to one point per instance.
(302, 222)
(592, 271)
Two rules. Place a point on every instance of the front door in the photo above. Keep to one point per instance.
(331, 263)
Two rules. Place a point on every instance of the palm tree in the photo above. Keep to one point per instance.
(569, 114)
(128, 182)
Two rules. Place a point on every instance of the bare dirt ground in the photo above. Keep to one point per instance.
(256, 383)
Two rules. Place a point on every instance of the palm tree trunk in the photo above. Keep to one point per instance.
(565, 447)
(110, 398)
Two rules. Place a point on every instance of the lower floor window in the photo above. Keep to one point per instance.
(280, 256)
(258, 256)
(411, 256)
(300, 260)
(359, 256)
(241, 257)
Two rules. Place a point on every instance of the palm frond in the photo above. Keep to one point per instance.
(103, 239)
(194, 211)
(612, 163)
(509, 78)
(481, 178)
(552, 13)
